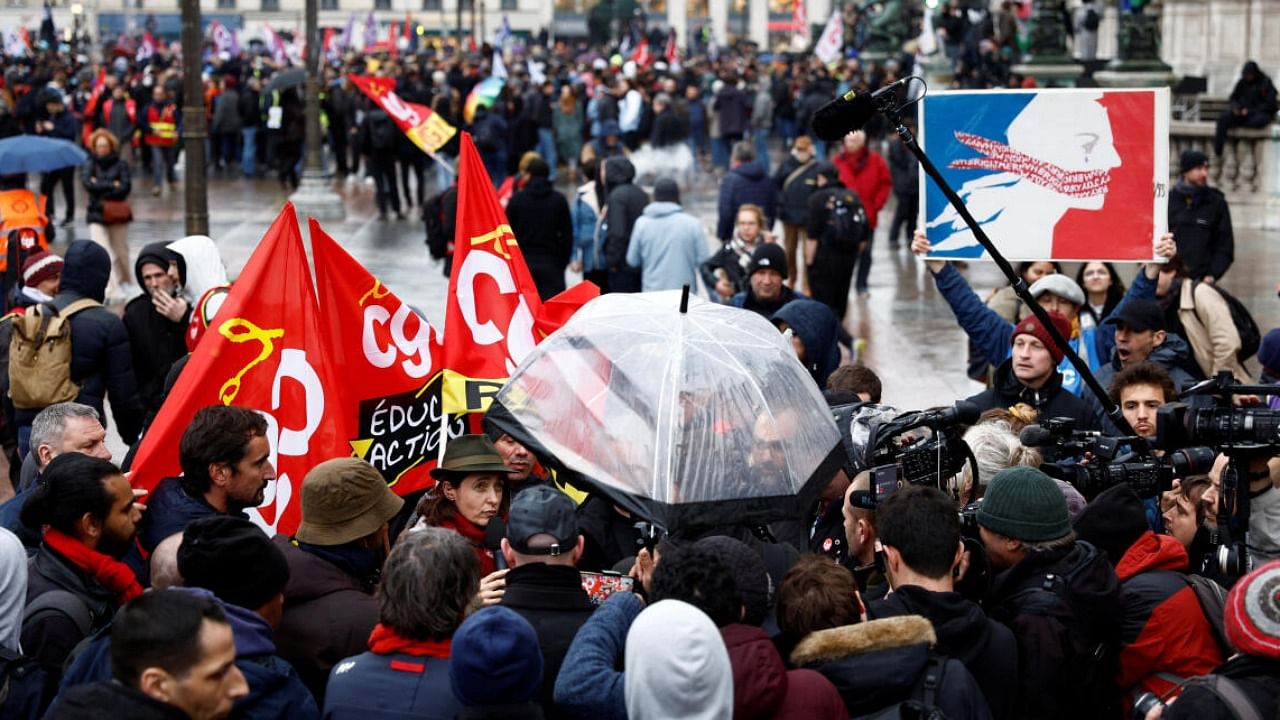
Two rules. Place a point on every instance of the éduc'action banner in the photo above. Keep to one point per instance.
(264, 350)
(394, 416)
(1049, 174)
(425, 128)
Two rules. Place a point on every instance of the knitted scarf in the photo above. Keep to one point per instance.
(113, 574)
(385, 641)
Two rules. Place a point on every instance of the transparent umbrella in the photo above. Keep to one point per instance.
(688, 419)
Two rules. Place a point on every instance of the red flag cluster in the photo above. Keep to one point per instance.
(354, 370)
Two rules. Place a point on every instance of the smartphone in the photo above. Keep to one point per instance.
(600, 585)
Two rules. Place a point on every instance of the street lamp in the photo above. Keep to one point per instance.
(194, 131)
(314, 197)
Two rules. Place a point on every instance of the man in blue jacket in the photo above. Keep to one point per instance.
(746, 184)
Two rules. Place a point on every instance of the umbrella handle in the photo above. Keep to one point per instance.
(684, 301)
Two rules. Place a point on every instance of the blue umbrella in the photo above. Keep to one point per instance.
(37, 153)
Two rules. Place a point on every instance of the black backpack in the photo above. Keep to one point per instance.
(1250, 336)
(1091, 20)
(846, 223)
(24, 687)
(923, 702)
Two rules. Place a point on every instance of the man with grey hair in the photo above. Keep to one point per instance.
(428, 585)
(57, 429)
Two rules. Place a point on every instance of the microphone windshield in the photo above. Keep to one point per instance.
(843, 115)
(1034, 436)
(967, 413)
(493, 534)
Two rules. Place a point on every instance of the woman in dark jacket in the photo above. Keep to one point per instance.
(106, 177)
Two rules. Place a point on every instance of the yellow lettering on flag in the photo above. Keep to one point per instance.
(463, 394)
(239, 330)
(498, 235)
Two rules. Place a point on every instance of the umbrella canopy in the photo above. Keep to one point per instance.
(285, 79)
(38, 153)
(689, 420)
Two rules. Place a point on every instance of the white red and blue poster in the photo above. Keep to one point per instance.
(1076, 174)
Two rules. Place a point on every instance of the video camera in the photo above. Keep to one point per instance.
(1112, 460)
(924, 458)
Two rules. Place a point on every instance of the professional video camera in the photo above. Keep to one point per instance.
(1248, 436)
(924, 446)
(1112, 460)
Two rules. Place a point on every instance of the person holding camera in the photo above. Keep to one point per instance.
(1058, 595)
(1248, 684)
(1264, 505)
(920, 533)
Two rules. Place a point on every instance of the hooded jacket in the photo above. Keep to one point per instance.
(13, 588)
(100, 358)
(1172, 355)
(818, 329)
(1054, 629)
(747, 300)
(965, 633)
(155, 341)
(668, 245)
(52, 639)
(1051, 400)
(1200, 221)
(200, 267)
(539, 217)
(590, 683)
(866, 173)
(328, 615)
(89, 702)
(875, 665)
(747, 183)
(623, 206)
(1258, 678)
(763, 688)
(677, 666)
(170, 509)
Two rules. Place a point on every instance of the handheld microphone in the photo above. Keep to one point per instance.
(849, 112)
(493, 534)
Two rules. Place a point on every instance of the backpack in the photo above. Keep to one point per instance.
(40, 356)
(1213, 602)
(1091, 20)
(24, 687)
(1230, 693)
(1246, 327)
(846, 223)
(382, 133)
(923, 702)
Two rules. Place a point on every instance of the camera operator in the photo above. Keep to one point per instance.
(1059, 596)
(1247, 685)
(1164, 631)
(1031, 376)
(920, 533)
(1264, 506)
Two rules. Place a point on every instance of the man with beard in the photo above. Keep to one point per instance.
(226, 466)
(76, 581)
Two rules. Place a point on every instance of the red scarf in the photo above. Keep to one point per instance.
(384, 641)
(475, 535)
(113, 574)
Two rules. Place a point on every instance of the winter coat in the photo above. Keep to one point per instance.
(328, 615)
(748, 301)
(819, 331)
(52, 639)
(170, 509)
(746, 183)
(65, 126)
(623, 207)
(1258, 96)
(733, 107)
(668, 245)
(568, 129)
(1200, 221)
(200, 267)
(155, 341)
(608, 537)
(1051, 400)
(104, 178)
(733, 258)
(668, 129)
(589, 684)
(226, 113)
(794, 192)
(1258, 678)
(100, 359)
(763, 688)
(965, 633)
(398, 686)
(1172, 355)
(875, 664)
(551, 598)
(89, 702)
(250, 108)
(867, 174)
(540, 219)
(587, 240)
(1048, 630)
(1164, 629)
(905, 170)
(1206, 323)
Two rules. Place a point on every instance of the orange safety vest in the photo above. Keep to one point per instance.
(162, 127)
(20, 209)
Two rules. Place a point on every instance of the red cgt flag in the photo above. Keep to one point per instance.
(395, 412)
(493, 316)
(265, 351)
(424, 127)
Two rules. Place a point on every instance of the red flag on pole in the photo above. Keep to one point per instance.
(265, 351)
(424, 127)
(395, 413)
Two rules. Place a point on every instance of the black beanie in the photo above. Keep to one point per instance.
(233, 559)
(1113, 521)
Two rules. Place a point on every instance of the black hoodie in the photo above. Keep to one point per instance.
(155, 341)
(100, 360)
(965, 633)
(624, 205)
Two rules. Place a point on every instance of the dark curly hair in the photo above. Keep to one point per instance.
(699, 577)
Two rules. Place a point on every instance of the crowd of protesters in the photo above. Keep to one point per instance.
(1043, 599)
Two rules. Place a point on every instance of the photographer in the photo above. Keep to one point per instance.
(920, 533)
(1264, 506)
(1059, 596)
(1247, 685)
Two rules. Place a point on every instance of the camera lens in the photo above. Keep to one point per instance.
(1145, 703)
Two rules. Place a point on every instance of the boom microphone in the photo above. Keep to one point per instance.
(1035, 436)
(849, 112)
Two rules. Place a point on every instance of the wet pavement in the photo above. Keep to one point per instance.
(912, 339)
